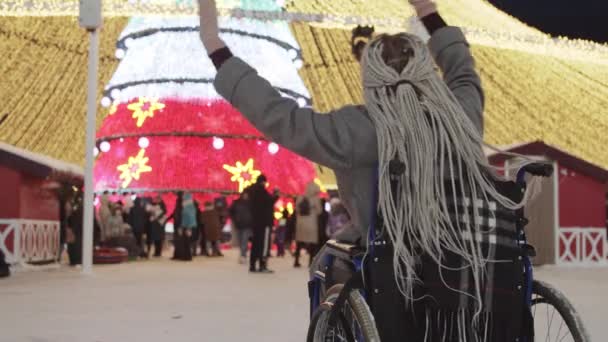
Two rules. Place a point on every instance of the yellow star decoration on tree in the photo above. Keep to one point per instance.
(113, 108)
(134, 168)
(245, 175)
(144, 108)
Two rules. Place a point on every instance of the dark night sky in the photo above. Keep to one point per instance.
(586, 19)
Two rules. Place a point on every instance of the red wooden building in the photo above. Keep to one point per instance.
(568, 218)
(29, 204)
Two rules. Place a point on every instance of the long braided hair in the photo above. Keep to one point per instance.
(421, 127)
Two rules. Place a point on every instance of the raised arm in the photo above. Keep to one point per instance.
(327, 139)
(450, 50)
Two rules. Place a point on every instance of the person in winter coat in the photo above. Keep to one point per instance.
(74, 235)
(158, 218)
(119, 233)
(280, 234)
(210, 219)
(115, 225)
(5, 270)
(338, 218)
(103, 215)
(262, 209)
(176, 216)
(189, 223)
(307, 223)
(323, 221)
(290, 230)
(242, 221)
(410, 154)
(137, 220)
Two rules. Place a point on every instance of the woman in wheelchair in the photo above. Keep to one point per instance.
(436, 221)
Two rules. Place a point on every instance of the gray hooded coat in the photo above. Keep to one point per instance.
(344, 140)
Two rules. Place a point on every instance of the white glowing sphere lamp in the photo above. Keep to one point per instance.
(143, 142)
(273, 148)
(104, 146)
(218, 143)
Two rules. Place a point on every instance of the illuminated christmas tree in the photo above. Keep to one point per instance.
(167, 128)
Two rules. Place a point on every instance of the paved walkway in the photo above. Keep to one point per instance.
(206, 300)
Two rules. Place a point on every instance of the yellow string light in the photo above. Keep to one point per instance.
(528, 96)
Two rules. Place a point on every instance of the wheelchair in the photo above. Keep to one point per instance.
(342, 291)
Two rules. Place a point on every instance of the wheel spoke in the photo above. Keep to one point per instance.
(566, 334)
(551, 330)
(548, 324)
(551, 320)
(561, 325)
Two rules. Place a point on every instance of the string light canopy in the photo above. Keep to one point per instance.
(342, 14)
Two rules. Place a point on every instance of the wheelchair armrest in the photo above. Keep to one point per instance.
(539, 169)
(347, 248)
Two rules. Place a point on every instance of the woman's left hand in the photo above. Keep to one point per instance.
(209, 30)
(423, 7)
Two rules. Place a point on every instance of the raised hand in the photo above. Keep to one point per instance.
(209, 30)
(424, 7)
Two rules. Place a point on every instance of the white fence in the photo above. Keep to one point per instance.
(582, 246)
(24, 241)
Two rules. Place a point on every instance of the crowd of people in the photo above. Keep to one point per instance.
(309, 226)
(138, 225)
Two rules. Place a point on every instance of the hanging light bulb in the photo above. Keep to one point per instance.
(218, 143)
(115, 93)
(293, 54)
(143, 142)
(298, 63)
(106, 102)
(104, 146)
(273, 148)
(120, 53)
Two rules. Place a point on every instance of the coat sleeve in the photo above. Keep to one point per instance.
(327, 139)
(451, 52)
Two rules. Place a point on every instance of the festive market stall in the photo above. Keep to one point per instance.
(568, 219)
(29, 214)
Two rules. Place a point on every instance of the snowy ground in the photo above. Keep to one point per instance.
(206, 300)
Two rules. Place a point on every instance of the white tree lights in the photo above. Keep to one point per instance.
(170, 121)
(218, 143)
(143, 142)
(105, 146)
(273, 148)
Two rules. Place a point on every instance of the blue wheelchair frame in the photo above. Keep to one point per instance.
(318, 278)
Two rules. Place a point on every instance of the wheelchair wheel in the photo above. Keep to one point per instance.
(356, 324)
(555, 319)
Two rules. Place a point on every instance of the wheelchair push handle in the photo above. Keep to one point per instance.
(535, 169)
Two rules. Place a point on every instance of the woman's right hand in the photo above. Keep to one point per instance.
(423, 7)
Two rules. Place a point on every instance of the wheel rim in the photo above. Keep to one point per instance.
(549, 325)
(326, 333)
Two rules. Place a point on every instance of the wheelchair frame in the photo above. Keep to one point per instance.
(355, 256)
